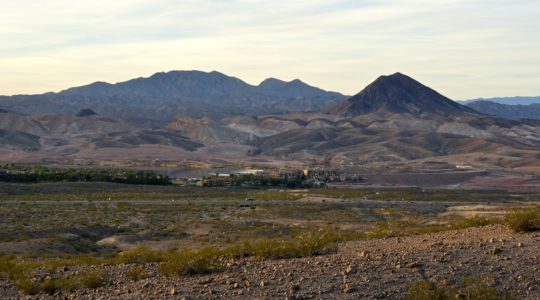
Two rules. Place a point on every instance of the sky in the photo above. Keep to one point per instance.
(462, 48)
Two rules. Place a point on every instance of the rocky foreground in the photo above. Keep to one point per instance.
(381, 268)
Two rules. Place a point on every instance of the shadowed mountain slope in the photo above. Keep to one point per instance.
(399, 93)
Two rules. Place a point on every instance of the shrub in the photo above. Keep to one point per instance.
(308, 245)
(470, 288)
(408, 227)
(136, 273)
(425, 290)
(6, 265)
(474, 288)
(139, 255)
(475, 221)
(523, 220)
(189, 262)
(92, 280)
(27, 286)
(50, 286)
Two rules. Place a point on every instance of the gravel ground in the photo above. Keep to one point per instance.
(374, 269)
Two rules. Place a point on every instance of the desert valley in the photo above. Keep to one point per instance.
(214, 122)
(248, 149)
(198, 185)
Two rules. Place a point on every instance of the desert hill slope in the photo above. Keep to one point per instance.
(61, 134)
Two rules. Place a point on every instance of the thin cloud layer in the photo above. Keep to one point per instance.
(466, 49)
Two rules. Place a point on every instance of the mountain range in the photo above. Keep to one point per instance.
(155, 100)
(519, 100)
(513, 112)
(209, 117)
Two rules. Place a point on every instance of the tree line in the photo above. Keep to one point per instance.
(257, 180)
(11, 173)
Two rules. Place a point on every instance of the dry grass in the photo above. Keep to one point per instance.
(191, 262)
(469, 289)
(92, 280)
(523, 220)
(137, 273)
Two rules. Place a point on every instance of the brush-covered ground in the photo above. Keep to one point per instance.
(97, 240)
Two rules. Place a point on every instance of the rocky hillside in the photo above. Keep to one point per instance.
(514, 112)
(373, 269)
(208, 131)
(54, 133)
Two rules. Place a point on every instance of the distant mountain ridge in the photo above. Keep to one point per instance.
(164, 95)
(518, 100)
(513, 112)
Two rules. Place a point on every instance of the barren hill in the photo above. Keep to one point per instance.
(398, 93)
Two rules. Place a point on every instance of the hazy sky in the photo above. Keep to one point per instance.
(462, 48)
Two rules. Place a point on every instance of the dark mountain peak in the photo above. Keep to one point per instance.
(178, 79)
(86, 112)
(399, 93)
(297, 83)
(397, 80)
(278, 83)
(396, 75)
(272, 82)
(187, 73)
(3, 111)
(94, 86)
(99, 84)
(294, 88)
(218, 73)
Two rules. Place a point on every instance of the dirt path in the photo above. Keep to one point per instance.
(375, 269)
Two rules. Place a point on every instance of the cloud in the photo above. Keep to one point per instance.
(464, 48)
